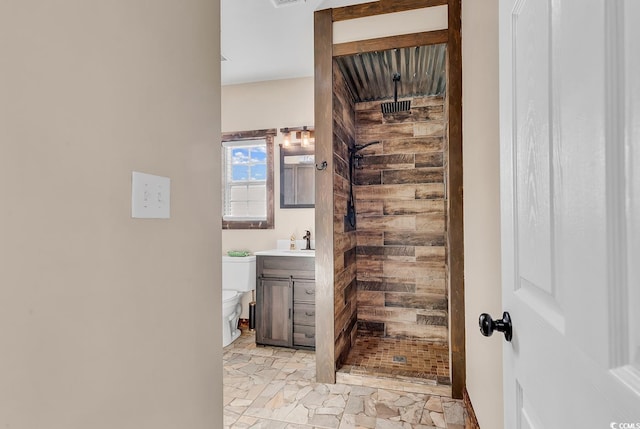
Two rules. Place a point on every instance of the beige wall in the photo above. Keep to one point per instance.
(482, 206)
(391, 24)
(108, 321)
(271, 104)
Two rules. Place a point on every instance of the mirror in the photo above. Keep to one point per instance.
(297, 175)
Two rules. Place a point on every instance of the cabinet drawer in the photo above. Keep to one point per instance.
(286, 266)
(304, 335)
(304, 314)
(304, 291)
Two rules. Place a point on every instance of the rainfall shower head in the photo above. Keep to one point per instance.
(395, 105)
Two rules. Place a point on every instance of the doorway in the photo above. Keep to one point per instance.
(390, 279)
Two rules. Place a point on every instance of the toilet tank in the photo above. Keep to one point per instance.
(239, 273)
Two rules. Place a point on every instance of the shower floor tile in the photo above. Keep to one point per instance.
(400, 357)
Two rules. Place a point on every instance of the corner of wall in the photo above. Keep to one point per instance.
(482, 206)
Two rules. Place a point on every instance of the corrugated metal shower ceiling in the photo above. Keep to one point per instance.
(370, 75)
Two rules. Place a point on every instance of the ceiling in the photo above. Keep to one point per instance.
(263, 42)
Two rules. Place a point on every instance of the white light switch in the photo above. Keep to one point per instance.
(150, 196)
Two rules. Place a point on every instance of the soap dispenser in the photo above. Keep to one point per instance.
(292, 244)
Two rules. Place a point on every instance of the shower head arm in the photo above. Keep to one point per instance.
(396, 79)
(357, 148)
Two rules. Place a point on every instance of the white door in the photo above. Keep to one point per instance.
(570, 193)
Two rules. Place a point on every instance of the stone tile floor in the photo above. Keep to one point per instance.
(275, 388)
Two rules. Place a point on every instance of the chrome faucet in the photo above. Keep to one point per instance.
(307, 237)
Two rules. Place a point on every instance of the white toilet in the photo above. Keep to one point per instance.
(238, 277)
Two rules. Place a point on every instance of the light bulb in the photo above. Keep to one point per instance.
(305, 138)
(287, 140)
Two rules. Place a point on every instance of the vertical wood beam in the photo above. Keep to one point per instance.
(323, 93)
(456, 225)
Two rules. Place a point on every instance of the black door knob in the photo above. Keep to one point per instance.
(488, 325)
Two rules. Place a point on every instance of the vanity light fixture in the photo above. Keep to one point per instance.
(297, 136)
(286, 141)
(306, 135)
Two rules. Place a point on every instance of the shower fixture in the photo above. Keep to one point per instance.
(354, 162)
(395, 105)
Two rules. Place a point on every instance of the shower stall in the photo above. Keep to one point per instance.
(390, 247)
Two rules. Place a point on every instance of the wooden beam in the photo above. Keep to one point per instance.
(381, 7)
(248, 135)
(392, 42)
(456, 225)
(323, 102)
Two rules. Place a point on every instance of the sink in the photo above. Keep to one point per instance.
(298, 252)
(287, 252)
(283, 249)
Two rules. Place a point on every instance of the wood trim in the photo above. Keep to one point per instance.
(302, 128)
(269, 135)
(392, 42)
(248, 135)
(455, 189)
(270, 187)
(323, 102)
(471, 421)
(381, 7)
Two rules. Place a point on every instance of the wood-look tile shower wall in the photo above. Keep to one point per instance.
(401, 229)
(344, 238)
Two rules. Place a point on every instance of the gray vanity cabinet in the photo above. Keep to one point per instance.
(285, 301)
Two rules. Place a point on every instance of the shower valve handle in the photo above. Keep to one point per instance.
(488, 325)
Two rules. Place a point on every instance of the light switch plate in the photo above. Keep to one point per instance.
(150, 196)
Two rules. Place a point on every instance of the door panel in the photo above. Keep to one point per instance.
(534, 139)
(526, 417)
(569, 73)
(531, 126)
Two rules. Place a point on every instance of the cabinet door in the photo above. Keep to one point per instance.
(273, 312)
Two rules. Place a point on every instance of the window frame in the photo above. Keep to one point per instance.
(268, 135)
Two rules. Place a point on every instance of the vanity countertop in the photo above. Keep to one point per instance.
(287, 252)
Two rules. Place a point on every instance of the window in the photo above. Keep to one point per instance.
(247, 180)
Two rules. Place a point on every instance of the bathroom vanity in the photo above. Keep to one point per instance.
(285, 298)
